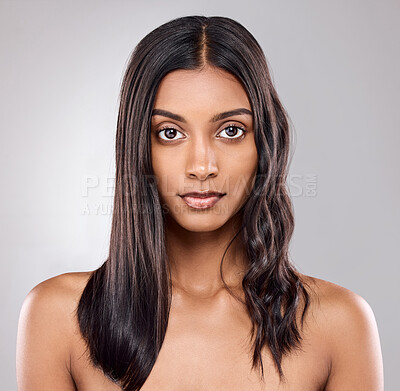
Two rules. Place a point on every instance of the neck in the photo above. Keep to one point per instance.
(195, 258)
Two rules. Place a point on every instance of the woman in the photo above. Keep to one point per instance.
(198, 291)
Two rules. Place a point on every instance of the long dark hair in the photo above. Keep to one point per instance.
(123, 311)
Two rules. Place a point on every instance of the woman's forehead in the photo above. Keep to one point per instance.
(208, 86)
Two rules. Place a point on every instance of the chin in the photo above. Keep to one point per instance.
(204, 221)
(197, 226)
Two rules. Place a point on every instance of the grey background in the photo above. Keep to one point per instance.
(336, 68)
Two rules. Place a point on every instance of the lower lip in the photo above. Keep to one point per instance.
(201, 203)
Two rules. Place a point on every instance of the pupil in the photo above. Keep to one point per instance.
(168, 133)
(230, 129)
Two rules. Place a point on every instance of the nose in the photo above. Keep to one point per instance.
(201, 161)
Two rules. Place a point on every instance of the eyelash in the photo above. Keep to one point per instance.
(235, 139)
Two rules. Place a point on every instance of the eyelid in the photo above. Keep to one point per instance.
(240, 126)
(165, 127)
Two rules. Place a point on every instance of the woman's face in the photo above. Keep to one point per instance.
(195, 150)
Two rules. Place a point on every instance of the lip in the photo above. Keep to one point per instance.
(201, 200)
(202, 194)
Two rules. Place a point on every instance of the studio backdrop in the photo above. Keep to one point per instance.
(335, 66)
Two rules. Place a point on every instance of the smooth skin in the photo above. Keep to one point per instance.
(206, 345)
(203, 154)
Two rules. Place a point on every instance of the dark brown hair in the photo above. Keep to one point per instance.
(124, 309)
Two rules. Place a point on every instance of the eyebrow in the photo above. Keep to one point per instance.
(215, 118)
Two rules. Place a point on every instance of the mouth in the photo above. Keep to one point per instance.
(201, 200)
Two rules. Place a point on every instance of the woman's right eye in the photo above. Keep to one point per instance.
(169, 133)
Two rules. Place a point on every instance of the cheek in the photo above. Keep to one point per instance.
(241, 182)
(166, 170)
(244, 165)
(159, 169)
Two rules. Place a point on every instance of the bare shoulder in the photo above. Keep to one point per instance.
(58, 293)
(46, 329)
(333, 304)
(56, 298)
(64, 281)
(327, 293)
(349, 329)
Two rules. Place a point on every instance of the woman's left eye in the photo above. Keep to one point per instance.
(232, 132)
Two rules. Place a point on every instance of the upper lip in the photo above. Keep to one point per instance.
(202, 194)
